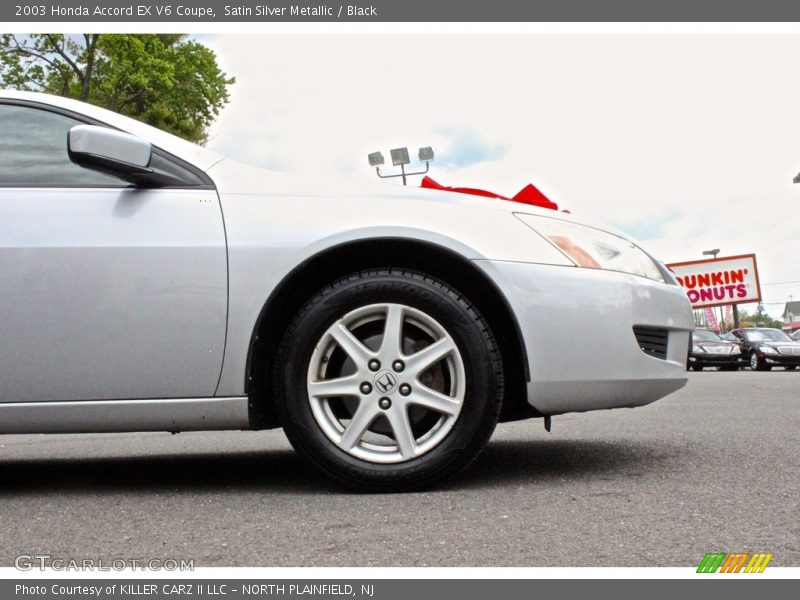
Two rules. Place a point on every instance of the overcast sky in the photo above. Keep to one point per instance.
(687, 142)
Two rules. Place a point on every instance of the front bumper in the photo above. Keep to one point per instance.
(706, 359)
(577, 325)
(781, 360)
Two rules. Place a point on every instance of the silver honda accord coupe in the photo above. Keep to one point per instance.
(149, 284)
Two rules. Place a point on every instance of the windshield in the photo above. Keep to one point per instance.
(708, 336)
(766, 335)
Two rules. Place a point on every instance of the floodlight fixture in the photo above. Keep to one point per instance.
(426, 154)
(713, 252)
(375, 159)
(400, 159)
(400, 156)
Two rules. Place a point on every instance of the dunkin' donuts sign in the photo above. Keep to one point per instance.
(729, 280)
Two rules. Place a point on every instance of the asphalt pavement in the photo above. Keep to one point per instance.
(714, 467)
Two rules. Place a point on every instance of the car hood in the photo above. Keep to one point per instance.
(235, 178)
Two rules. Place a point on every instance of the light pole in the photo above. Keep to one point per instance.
(400, 159)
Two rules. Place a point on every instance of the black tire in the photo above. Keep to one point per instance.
(474, 340)
(757, 364)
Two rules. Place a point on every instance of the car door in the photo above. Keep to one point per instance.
(106, 291)
(737, 335)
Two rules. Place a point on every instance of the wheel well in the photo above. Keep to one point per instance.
(313, 274)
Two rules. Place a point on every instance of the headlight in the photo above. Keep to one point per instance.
(697, 349)
(767, 350)
(736, 350)
(593, 248)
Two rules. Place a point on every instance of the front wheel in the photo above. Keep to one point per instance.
(388, 380)
(758, 364)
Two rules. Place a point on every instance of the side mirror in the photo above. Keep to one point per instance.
(112, 152)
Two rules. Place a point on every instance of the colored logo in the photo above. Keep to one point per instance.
(744, 562)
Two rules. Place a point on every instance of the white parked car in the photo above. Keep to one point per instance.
(149, 284)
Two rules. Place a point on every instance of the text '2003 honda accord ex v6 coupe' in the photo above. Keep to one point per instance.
(149, 284)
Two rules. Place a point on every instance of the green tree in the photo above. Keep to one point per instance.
(165, 80)
(759, 319)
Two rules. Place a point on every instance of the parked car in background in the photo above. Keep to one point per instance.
(707, 349)
(766, 348)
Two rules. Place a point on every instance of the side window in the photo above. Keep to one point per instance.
(33, 151)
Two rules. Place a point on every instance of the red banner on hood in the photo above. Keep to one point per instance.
(530, 194)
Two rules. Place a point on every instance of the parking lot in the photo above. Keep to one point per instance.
(712, 467)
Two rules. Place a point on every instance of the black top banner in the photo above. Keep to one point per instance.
(464, 11)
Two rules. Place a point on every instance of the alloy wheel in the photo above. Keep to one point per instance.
(386, 383)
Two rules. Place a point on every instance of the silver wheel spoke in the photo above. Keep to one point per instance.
(358, 425)
(392, 343)
(427, 357)
(350, 344)
(428, 398)
(403, 435)
(341, 386)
